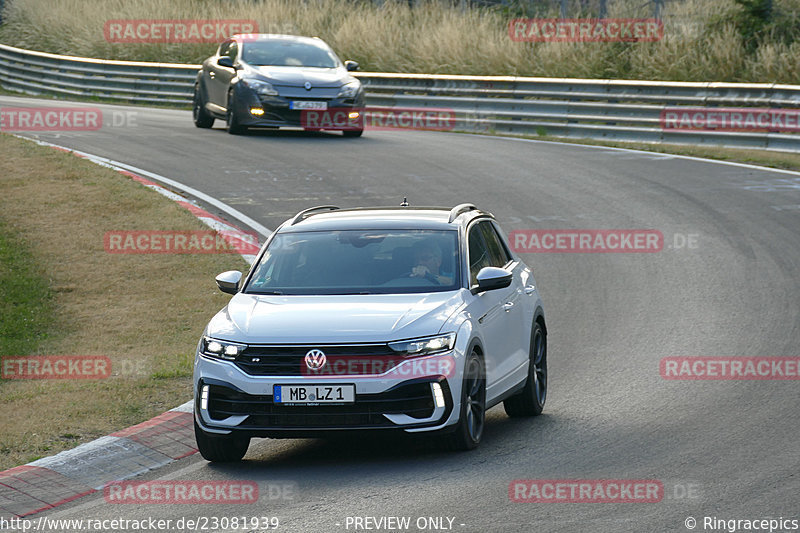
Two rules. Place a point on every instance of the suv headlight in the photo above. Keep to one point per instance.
(262, 88)
(349, 90)
(221, 349)
(424, 345)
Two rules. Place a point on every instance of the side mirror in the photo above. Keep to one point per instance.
(229, 281)
(351, 65)
(491, 278)
(225, 61)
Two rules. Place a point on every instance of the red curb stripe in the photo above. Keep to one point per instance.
(200, 212)
(153, 422)
(136, 177)
(19, 474)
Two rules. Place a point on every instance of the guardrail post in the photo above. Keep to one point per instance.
(658, 5)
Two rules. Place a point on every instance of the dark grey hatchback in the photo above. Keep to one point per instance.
(265, 80)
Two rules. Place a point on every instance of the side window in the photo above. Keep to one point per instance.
(478, 254)
(497, 252)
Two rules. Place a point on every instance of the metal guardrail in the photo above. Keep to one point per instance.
(617, 110)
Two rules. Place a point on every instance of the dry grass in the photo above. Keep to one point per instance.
(145, 312)
(434, 37)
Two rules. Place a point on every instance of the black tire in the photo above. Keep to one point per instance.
(201, 117)
(220, 448)
(352, 133)
(530, 401)
(469, 430)
(231, 123)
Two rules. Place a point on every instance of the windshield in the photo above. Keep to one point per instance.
(288, 54)
(358, 262)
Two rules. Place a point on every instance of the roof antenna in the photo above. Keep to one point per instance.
(405, 202)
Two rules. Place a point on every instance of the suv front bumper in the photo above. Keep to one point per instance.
(229, 400)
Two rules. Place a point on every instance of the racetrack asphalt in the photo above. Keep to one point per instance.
(724, 449)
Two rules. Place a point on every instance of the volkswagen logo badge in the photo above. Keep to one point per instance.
(315, 359)
(307, 85)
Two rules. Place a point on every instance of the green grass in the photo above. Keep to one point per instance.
(62, 294)
(25, 296)
(703, 39)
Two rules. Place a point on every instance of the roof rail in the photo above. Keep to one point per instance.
(461, 208)
(308, 212)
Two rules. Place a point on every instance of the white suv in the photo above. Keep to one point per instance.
(402, 318)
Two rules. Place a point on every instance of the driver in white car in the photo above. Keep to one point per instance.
(428, 261)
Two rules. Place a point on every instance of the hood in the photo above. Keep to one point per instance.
(297, 76)
(330, 319)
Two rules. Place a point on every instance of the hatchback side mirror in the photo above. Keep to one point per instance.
(351, 65)
(228, 282)
(491, 278)
(225, 61)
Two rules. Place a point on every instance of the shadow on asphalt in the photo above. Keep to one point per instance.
(390, 450)
(331, 136)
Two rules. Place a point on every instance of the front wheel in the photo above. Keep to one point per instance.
(231, 122)
(530, 401)
(220, 448)
(469, 429)
(201, 117)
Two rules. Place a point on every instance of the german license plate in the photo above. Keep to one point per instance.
(313, 394)
(307, 104)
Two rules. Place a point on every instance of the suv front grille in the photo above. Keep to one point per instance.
(289, 360)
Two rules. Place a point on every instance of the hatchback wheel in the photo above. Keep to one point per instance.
(231, 122)
(201, 117)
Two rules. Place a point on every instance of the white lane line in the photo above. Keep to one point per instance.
(187, 407)
(666, 156)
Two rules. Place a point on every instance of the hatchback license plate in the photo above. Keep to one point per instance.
(305, 394)
(306, 104)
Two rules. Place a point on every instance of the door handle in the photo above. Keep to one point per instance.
(507, 306)
(529, 289)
